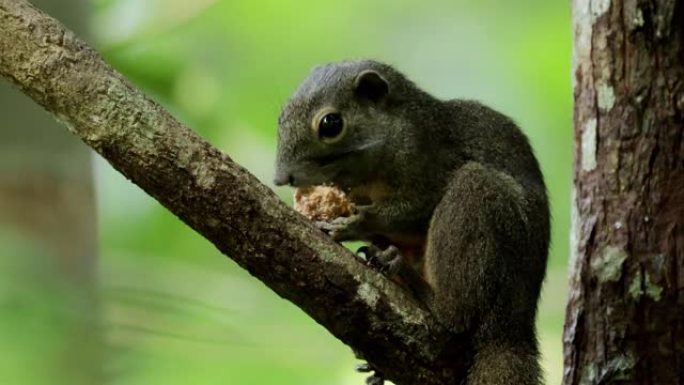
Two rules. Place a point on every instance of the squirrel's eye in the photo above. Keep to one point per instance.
(330, 126)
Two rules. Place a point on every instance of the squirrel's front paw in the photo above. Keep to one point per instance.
(345, 228)
(388, 261)
(340, 229)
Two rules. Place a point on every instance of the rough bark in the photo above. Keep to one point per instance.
(625, 316)
(223, 202)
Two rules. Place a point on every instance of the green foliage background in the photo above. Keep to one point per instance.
(174, 310)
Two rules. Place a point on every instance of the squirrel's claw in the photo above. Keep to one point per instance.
(389, 261)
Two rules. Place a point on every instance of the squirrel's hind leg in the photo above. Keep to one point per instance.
(486, 274)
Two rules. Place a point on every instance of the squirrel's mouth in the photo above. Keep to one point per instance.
(328, 159)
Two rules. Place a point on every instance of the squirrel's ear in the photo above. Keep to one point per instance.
(371, 86)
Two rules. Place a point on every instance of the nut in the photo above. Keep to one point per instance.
(322, 203)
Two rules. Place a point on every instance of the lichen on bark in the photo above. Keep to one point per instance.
(625, 315)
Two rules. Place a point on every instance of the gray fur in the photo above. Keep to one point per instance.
(462, 177)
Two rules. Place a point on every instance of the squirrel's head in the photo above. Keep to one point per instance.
(334, 127)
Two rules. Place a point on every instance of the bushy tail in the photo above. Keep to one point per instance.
(497, 364)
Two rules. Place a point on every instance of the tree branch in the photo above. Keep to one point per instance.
(223, 202)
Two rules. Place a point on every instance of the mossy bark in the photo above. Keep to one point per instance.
(625, 316)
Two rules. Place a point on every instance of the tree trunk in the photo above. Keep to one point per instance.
(625, 316)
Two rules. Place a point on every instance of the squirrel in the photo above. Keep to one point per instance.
(449, 194)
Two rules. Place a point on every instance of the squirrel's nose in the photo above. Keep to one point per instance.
(283, 178)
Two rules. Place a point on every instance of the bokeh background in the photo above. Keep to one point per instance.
(148, 301)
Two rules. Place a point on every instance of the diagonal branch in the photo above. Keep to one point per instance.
(222, 201)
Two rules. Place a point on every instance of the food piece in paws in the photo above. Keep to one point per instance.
(322, 203)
